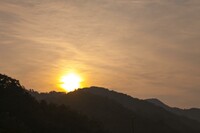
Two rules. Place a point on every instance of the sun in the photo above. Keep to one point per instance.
(70, 82)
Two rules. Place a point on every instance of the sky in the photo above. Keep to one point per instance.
(144, 48)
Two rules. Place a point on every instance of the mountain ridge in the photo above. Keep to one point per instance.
(96, 100)
(193, 113)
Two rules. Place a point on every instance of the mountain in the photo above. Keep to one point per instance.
(121, 113)
(193, 113)
(22, 113)
(158, 103)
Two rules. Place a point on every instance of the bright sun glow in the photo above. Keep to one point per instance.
(70, 82)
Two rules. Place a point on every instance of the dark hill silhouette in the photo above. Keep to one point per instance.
(21, 113)
(193, 113)
(116, 111)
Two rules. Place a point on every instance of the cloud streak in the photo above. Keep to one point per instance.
(140, 47)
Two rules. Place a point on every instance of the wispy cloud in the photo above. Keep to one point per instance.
(141, 47)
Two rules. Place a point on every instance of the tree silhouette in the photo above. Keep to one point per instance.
(21, 113)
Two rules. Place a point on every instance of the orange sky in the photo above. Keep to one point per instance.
(145, 48)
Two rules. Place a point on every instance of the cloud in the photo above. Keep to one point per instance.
(141, 47)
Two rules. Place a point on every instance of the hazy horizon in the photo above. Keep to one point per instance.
(144, 48)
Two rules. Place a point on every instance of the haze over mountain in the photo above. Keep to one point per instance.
(193, 113)
(117, 111)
